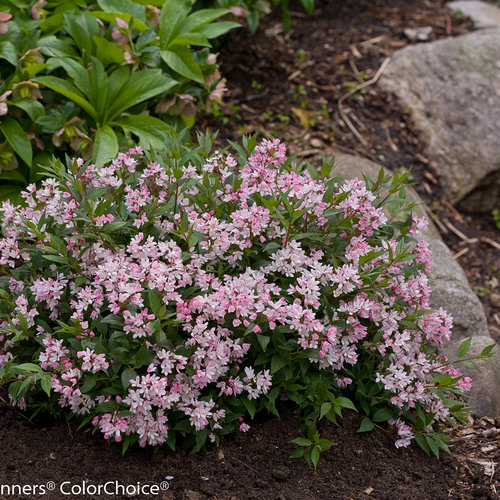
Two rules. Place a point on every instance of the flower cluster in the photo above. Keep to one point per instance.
(176, 296)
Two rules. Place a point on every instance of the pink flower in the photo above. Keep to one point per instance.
(4, 17)
(121, 31)
(3, 102)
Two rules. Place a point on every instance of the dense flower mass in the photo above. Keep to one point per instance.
(162, 297)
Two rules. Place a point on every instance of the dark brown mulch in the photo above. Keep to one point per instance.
(255, 465)
(289, 86)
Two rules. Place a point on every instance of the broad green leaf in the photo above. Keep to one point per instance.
(301, 441)
(151, 131)
(155, 302)
(68, 90)
(108, 52)
(99, 89)
(82, 27)
(141, 86)
(56, 47)
(8, 52)
(33, 109)
(432, 445)
(487, 350)
(180, 59)
(105, 145)
(13, 175)
(325, 408)
(200, 18)
(10, 192)
(196, 39)
(116, 81)
(132, 8)
(278, 362)
(78, 73)
(464, 347)
(172, 15)
(263, 341)
(345, 403)
(46, 383)
(366, 425)
(29, 367)
(382, 415)
(17, 138)
(127, 376)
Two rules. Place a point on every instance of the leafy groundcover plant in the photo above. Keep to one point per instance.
(168, 300)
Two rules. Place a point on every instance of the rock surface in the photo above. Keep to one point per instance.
(452, 292)
(482, 14)
(452, 87)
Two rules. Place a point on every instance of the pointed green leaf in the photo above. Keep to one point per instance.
(152, 132)
(133, 8)
(68, 90)
(200, 18)
(172, 15)
(366, 425)
(33, 109)
(108, 52)
(140, 87)
(105, 145)
(81, 27)
(17, 138)
(8, 52)
(464, 347)
(180, 59)
(215, 30)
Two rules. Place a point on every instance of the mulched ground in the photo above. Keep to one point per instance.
(289, 86)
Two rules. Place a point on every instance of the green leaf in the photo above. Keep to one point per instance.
(432, 445)
(315, 456)
(172, 14)
(139, 87)
(28, 367)
(180, 59)
(486, 351)
(8, 52)
(127, 6)
(345, 403)
(17, 138)
(68, 90)
(215, 30)
(263, 340)
(127, 376)
(200, 18)
(46, 383)
(421, 441)
(464, 347)
(301, 441)
(82, 27)
(33, 109)
(155, 302)
(152, 132)
(366, 425)
(78, 73)
(13, 175)
(325, 408)
(52, 46)
(105, 145)
(108, 52)
(326, 169)
(278, 362)
(382, 415)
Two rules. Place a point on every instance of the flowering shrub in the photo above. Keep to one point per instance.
(173, 297)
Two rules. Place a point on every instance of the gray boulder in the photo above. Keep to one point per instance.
(452, 292)
(482, 14)
(452, 87)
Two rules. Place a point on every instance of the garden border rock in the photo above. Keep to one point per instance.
(452, 292)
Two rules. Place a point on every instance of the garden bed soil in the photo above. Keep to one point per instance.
(288, 86)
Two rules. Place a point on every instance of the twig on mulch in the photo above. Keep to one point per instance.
(363, 85)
